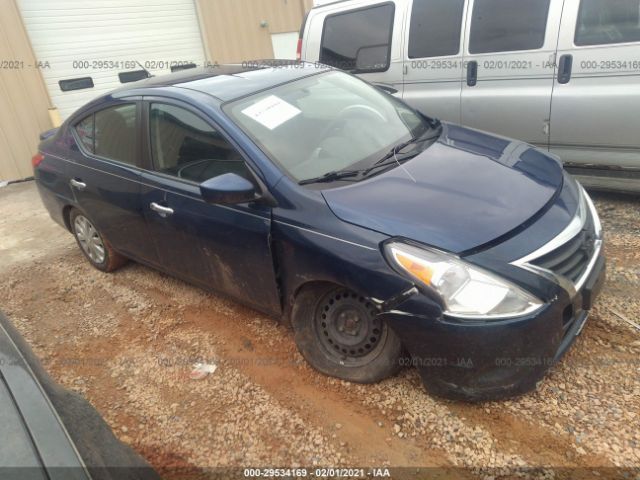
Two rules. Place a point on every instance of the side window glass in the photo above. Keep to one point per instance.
(602, 22)
(508, 25)
(84, 132)
(435, 28)
(185, 146)
(116, 134)
(359, 40)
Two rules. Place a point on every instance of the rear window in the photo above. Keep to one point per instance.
(359, 40)
(508, 25)
(602, 22)
(435, 28)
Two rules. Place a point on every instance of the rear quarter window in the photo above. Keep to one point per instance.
(84, 132)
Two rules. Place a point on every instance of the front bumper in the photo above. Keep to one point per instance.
(478, 361)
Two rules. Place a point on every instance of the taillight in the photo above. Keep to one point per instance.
(37, 159)
(299, 50)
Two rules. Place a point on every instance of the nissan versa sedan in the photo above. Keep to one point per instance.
(373, 229)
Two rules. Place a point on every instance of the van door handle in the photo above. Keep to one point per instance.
(162, 211)
(472, 73)
(77, 184)
(565, 68)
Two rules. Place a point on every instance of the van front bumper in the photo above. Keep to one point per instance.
(490, 360)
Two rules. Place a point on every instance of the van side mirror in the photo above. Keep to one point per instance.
(371, 58)
(228, 189)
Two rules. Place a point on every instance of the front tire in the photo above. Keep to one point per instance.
(93, 245)
(340, 334)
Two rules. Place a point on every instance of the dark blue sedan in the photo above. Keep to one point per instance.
(371, 228)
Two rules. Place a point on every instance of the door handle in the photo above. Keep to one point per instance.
(472, 73)
(77, 184)
(565, 68)
(162, 211)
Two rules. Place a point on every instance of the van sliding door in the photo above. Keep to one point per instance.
(509, 66)
(596, 97)
(433, 57)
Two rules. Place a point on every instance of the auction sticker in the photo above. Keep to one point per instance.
(271, 112)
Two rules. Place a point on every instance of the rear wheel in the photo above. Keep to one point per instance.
(340, 334)
(93, 245)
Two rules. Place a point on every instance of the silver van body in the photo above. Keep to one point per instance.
(563, 75)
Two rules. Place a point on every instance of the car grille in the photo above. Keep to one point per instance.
(571, 259)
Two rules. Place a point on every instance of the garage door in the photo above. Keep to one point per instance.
(83, 42)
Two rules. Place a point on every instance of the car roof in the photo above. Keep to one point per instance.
(229, 82)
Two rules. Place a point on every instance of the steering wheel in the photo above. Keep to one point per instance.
(180, 172)
(349, 111)
(370, 111)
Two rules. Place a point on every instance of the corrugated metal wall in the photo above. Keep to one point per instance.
(24, 101)
(232, 32)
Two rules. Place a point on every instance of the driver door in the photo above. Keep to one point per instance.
(221, 247)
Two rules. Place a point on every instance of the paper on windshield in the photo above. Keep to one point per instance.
(271, 112)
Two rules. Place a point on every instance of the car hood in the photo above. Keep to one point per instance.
(464, 191)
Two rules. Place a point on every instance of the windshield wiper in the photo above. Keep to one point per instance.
(331, 176)
(341, 174)
(394, 152)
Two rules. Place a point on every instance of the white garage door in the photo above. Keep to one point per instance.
(102, 38)
(285, 45)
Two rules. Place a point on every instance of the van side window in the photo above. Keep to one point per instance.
(359, 40)
(116, 133)
(602, 22)
(508, 25)
(185, 146)
(435, 28)
(84, 132)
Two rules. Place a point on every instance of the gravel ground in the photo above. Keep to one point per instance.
(126, 341)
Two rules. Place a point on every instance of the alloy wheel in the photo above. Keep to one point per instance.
(89, 239)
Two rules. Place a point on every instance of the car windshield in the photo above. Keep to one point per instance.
(326, 123)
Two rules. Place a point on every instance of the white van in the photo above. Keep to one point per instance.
(561, 74)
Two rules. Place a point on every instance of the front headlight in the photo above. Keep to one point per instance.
(465, 290)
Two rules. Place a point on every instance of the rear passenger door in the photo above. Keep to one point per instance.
(596, 98)
(224, 247)
(105, 176)
(363, 38)
(509, 67)
(433, 57)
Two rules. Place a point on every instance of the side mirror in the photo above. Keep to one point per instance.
(371, 58)
(228, 189)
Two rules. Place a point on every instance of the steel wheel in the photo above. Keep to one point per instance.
(89, 239)
(348, 328)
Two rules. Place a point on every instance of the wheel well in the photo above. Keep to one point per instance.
(66, 215)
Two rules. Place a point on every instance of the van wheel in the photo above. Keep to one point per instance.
(340, 334)
(93, 245)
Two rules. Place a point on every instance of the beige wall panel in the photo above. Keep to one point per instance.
(24, 101)
(231, 28)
